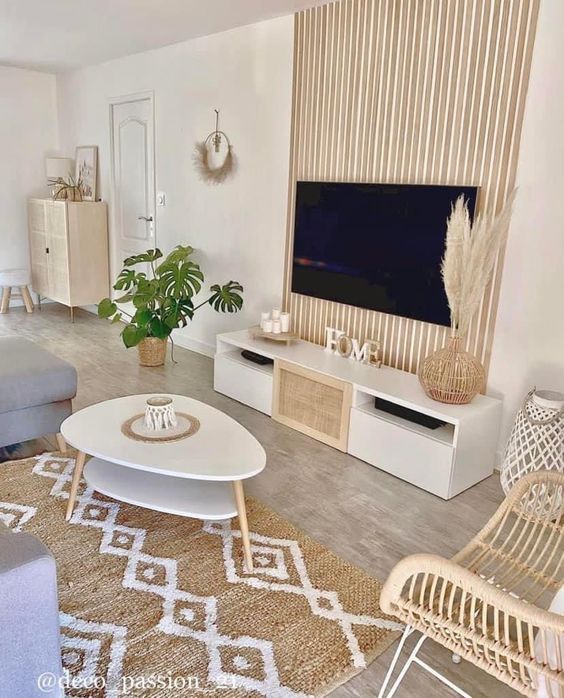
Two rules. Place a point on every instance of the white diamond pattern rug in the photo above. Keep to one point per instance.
(145, 594)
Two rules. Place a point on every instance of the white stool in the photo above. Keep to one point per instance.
(15, 278)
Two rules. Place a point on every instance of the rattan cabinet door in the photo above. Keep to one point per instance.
(56, 229)
(312, 403)
(38, 246)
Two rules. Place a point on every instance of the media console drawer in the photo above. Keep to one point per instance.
(243, 381)
(420, 460)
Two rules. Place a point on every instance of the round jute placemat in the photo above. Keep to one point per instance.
(190, 430)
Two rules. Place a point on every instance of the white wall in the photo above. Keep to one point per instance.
(238, 228)
(28, 132)
(529, 339)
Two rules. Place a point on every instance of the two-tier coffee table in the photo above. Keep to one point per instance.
(200, 476)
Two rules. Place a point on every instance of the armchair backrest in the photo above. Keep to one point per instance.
(521, 547)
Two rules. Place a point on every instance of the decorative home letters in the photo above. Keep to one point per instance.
(338, 342)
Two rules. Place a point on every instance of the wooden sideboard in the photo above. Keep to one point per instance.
(68, 242)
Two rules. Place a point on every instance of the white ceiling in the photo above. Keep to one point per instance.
(58, 35)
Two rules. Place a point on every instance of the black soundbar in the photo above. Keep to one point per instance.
(423, 420)
(256, 358)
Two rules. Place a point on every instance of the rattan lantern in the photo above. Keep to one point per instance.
(537, 438)
(452, 375)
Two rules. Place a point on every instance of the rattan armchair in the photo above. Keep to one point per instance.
(487, 604)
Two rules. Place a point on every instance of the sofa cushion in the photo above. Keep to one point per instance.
(31, 375)
(30, 641)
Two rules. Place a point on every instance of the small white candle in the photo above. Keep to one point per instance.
(276, 313)
(267, 326)
(276, 326)
(264, 317)
(285, 322)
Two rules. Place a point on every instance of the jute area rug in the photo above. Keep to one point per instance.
(145, 595)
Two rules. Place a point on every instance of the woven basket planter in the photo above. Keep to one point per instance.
(537, 438)
(451, 375)
(152, 351)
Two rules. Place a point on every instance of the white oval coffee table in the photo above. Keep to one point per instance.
(199, 476)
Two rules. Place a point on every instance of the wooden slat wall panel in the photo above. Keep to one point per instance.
(408, 91)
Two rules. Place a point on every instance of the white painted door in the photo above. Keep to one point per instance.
(133, 178)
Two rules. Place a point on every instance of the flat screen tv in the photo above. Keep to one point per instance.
(376, 246)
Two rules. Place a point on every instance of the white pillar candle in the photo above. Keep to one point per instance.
(276, 326)
(276, 313)
(263, 318)
(285, 322)
(267, 326)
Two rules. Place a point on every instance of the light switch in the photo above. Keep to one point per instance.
(161, 198)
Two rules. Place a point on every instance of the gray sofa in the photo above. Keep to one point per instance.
(29, 616)
(36, 389)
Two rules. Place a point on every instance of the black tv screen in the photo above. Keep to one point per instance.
(376, 246)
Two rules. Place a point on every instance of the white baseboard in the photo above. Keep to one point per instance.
(194, 345)
(179, 339)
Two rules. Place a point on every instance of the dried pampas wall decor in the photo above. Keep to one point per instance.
(213, 175)
(209, 174)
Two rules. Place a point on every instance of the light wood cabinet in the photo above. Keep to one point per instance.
(68, 244)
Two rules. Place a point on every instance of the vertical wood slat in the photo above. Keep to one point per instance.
(408, 91)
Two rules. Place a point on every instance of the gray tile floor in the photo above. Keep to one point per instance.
(365, 515)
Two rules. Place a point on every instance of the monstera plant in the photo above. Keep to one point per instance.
(162, 294)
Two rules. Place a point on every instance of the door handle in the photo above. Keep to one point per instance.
(46, 250)
(145, 218)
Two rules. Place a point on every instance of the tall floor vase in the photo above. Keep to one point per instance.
(451, 374)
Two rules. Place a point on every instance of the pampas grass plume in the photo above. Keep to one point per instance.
(470, 254)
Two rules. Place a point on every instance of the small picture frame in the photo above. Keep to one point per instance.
(86, 166)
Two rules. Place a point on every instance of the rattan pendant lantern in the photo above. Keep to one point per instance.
(451, 374)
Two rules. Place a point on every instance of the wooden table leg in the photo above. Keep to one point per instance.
(243, 525)
(61, 443)
(78, 467)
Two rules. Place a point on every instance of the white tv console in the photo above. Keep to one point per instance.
(444, 461)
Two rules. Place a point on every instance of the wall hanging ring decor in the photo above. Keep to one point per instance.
(210, 172)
